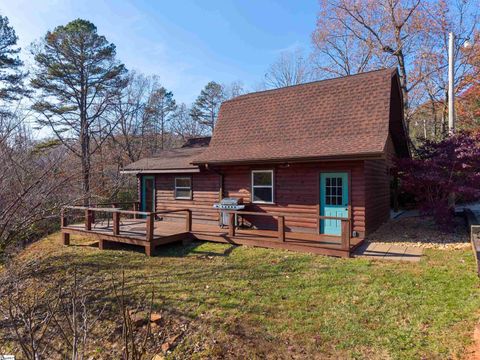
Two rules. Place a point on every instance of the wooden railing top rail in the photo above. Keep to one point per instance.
(109, 210)
(170, 211)
(276, 214)
(118, 203)
(127, 212)
(112, 203)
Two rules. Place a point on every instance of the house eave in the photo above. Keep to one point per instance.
(364, 156)
(161, 171)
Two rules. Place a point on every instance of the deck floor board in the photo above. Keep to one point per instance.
(133, 232)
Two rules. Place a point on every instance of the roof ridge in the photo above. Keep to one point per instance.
(244, 96)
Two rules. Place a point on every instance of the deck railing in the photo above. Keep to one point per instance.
(116, 214)
(149, 219)
(345, 224)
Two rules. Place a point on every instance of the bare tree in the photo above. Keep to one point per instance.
(233, 89)
(358, 35)
(32, 183)
(291, 68)
(338, 52)
(131, 133)
(184, 126)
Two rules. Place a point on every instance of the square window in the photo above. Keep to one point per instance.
(183, 188)
(262, 186)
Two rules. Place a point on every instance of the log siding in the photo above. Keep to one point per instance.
(296, 191)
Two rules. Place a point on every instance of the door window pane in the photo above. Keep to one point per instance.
(333, 191)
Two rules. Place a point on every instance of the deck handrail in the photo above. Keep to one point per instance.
(345, 223)
(169, 211)
(276, 214)
(149, 223)
(110, 210)
(150, 219)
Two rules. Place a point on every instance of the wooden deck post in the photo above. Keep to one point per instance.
(281, 228)
(188, 221)
(148, 250)
(63, 219)
(150, 226)
(231, 224)
(346, 235)
(88, 219)
(116, 223)
(65, 238)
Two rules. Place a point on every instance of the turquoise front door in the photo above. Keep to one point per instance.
(148, 193)
(333, 201)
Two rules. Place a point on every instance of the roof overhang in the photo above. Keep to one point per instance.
(160, 171)
(366, 156)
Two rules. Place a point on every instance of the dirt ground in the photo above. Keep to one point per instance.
(473, 352)
(422, 232)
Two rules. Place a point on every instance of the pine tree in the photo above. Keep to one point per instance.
(206, 107)
(160, 108)
(11, 75)
(78, 79)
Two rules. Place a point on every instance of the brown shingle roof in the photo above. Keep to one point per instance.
(346, 116)
(172, 160)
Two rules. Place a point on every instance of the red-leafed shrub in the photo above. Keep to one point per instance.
(442, 172)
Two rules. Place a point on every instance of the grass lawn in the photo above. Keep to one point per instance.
(256, 303)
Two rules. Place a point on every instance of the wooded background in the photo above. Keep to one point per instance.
(102, 116)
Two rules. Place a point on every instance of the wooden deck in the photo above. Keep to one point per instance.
(133, 231)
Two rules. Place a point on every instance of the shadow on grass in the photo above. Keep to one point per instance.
(173, 250)
(179, 250)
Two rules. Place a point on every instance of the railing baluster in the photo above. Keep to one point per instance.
(150, 226)
(281, 228)
(63, 224)
(346, 234)
(135, 208)
(188, 221)
(231, 224)
(116, 223)
(63, 219)
(88, 219)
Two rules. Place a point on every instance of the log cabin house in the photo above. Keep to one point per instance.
(308, 163)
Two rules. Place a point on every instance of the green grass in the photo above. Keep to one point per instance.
(259, 300)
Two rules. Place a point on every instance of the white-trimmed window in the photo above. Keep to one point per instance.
(183, 188)
(262, 186)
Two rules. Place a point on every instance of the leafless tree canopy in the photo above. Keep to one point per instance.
(353, 36)
(291, 68)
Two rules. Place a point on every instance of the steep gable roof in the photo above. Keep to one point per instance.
(341, 117)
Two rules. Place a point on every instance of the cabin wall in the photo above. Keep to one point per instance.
(205, 192)
(296, 191)
(377, 191)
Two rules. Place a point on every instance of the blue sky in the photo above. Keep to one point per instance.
(187, 43)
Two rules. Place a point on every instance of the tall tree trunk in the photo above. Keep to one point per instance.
(85, 143)
(163, 131)
(403, 86)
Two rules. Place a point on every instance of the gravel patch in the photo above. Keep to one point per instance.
(422, 232)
